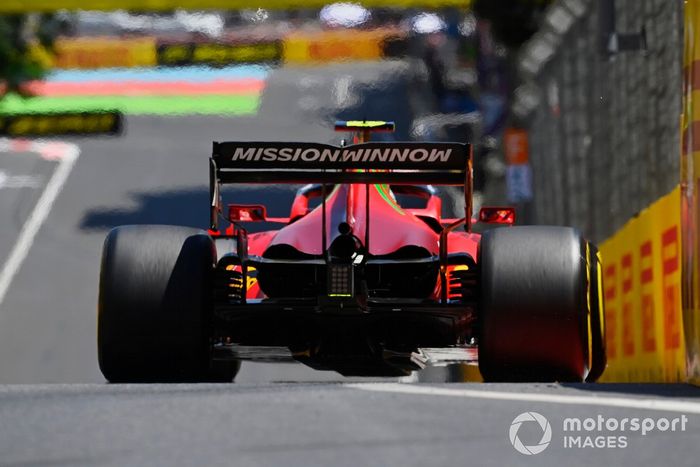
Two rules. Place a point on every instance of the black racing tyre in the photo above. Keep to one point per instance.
(155, 307)
(599, 358)
(533, 311)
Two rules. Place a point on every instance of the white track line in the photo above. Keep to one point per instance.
(665, 405)
(38, 216)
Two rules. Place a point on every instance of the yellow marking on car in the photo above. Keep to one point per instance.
(251, 280)
(383, 191)
(363, 124)
(588, 303)
(601, 303)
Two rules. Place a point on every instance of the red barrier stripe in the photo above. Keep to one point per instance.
(143, 88)
(669, 244)
(626, 273)
(692, 75)
(647, 271)
(610, 282)
(695, 128)
(691, 78)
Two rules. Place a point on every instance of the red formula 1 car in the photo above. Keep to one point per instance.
(359, 284)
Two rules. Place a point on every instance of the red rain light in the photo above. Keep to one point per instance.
(497, 215)
(246, 213)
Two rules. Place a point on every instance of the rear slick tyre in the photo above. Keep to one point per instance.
(155, 310)
(533, 312)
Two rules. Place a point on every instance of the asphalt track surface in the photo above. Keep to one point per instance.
(275, 414)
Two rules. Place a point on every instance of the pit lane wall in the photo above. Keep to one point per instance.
(642, 290)
(690, 184)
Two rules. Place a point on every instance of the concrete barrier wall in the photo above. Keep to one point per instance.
(604, 137)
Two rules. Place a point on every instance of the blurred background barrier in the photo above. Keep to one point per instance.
(23, 6)
(296, 48)
(217, 53)
(690, 183)
(101, 52)
(642, 281)
(100, 122)
(304, 48)
(330, 46)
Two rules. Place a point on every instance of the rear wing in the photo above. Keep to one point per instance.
(366, 163)
(410, 163)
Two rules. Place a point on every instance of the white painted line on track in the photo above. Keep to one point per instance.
(683, 406)
(69, 155)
